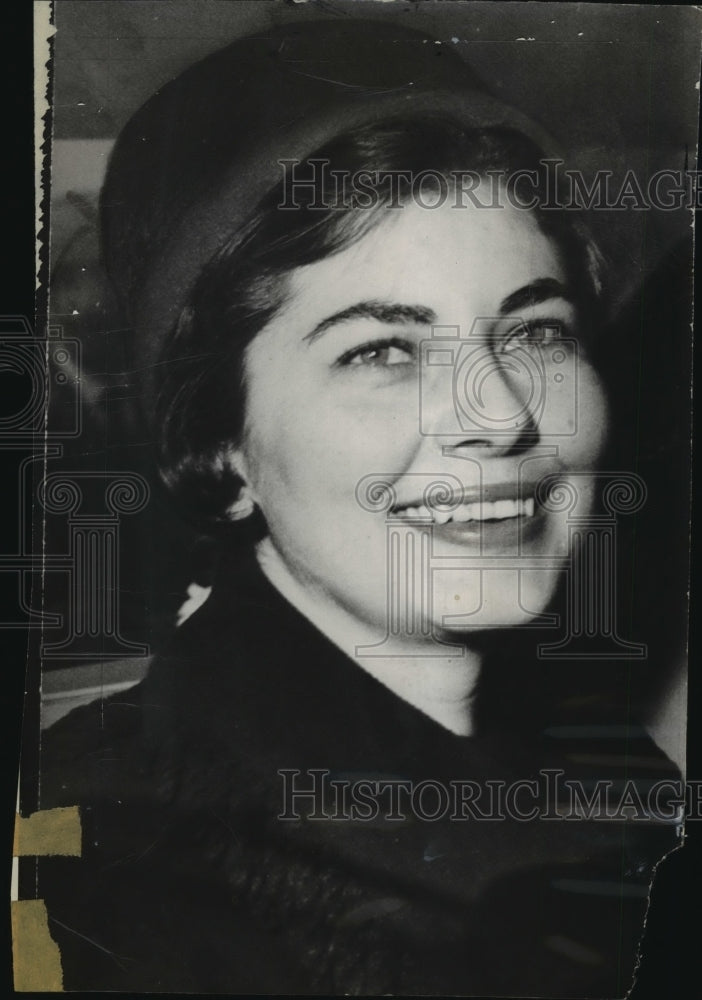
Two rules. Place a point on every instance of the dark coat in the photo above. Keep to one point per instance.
(190, 881)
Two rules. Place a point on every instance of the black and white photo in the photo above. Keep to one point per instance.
(361, 492)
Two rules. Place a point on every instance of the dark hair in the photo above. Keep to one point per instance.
(201, 390)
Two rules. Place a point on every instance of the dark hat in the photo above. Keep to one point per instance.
(194, 161)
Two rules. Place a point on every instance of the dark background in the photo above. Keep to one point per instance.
(622, 93)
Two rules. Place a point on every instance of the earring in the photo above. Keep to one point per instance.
(241, 508)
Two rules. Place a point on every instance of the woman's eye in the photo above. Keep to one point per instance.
(379, 354)
(535, 334)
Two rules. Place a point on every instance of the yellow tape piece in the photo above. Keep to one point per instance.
(49, 831)
(35, 955)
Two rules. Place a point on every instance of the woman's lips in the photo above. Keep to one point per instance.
(498, 534)
(476, 510)
(498, 517)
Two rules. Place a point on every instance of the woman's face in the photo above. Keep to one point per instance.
(438, 348)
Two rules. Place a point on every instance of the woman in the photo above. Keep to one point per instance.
(365, 345)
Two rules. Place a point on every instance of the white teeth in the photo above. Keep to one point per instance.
(416, 513)
(498, 510)
(506, 508)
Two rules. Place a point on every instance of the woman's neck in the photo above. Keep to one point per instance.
(439, 681)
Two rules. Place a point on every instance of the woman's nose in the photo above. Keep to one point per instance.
(474, 397)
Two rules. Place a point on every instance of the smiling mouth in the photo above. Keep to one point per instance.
(497, 510)
(494, 504)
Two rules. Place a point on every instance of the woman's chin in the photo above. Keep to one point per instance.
(492, 598)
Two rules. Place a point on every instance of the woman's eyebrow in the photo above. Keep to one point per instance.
(384, 312)
(396, 312)
(532, 294)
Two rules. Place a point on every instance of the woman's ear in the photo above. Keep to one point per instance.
(243, 505)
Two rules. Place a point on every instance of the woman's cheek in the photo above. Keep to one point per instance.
(593, 416)
(373, 432)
